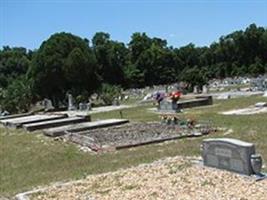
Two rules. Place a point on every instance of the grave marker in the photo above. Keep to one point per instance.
(71, 102)
(230, 154)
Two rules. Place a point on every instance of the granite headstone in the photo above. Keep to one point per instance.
(229, 154)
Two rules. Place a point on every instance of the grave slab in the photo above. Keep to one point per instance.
(58, 131)
(18, 122)
(53, 123)
(14, 116)
(229, 154)
(199, 101)
(129, 135)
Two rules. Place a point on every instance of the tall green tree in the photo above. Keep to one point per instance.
(63, 63)
(14, 62)
(111, 57)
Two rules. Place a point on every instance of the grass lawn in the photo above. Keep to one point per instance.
(28, 160)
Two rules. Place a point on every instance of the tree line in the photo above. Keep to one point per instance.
(68, 63)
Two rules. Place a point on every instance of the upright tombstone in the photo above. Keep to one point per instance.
(70, 102)
(83, 106)
(168, 106)
(231, 154)
(89, 106)
(195, 89)
(205, 89)
(116, 102)
(47, 103)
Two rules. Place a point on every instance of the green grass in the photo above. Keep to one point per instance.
(30, 160)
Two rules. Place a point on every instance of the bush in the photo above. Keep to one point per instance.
(108, 93)
(17, 97)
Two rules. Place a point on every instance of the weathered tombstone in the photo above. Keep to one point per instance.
(195, 89)
(231, 154)
(116, 102)
(168, 106)
(47, 103)
(205, 89)
(70, 102)
(82, 106)
(89, 106)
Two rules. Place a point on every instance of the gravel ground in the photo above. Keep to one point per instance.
(172, 178)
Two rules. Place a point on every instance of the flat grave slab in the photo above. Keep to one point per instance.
(14, 116)
(58, 131)
(230, 154)
(198, 101)
(53, 123)
(18, 122)
(129, 135)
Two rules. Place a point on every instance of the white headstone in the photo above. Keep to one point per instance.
(70, 102)
(205, 89)
(195, 90)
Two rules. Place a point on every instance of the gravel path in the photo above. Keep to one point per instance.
(169, 179)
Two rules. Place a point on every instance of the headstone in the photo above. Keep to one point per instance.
(229, 154)
(70, 102)
(265, 94)
(47, 103)
(195, 89)
(168, 106)
(89, 106)
(83, 106)
(116, 102)
(205, 89)
(126, 97)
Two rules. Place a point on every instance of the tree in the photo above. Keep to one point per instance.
(17, 97)
(111, 57)
(14, 62)
(257, 68)
(63, 63)
(134, 78)
(194, 77)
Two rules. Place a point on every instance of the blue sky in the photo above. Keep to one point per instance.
(29, 22)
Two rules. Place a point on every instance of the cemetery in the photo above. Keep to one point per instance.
(99, 130)
(176, 110)
(230, 160)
